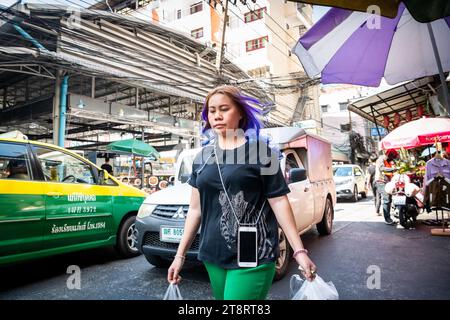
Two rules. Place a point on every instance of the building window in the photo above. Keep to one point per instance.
(197, 33)
(178, 14)
(343, 106)
(302, 30)
(197, 7)
(256, 44)
(324, 108)
(254, 15)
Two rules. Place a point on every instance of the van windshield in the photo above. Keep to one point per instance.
(342, 171)
(186, 167)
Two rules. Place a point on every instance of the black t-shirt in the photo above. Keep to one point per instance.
(107, 167)
(249, 180)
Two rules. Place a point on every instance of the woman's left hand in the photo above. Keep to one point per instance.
(307, 267)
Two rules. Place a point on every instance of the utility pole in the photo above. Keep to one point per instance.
(222, 42)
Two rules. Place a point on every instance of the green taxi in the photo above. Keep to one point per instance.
(54, 201)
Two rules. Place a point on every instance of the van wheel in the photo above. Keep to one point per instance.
(364, 195)
(284, 258)
(325, 226)
(157, 261)
(127, 238)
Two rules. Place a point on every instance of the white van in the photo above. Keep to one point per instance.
(307, 167)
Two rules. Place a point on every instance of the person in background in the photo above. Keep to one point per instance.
(370, 183)
(383, 173)
(106, 166)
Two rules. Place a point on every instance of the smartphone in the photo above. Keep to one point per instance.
(247, 247)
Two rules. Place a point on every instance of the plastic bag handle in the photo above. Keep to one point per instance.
(167, 291)
(177, 292)
(291, 282)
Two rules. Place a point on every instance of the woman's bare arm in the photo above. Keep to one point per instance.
(191, 226)
(285, 217)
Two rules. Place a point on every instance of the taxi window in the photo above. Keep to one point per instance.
(58, 166)
(14, 162)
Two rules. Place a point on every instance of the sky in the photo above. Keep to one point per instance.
(318, 12)
(83, 3)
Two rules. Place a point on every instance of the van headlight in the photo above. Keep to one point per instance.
(145, 210)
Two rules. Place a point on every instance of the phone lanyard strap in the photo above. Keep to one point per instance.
(228, 198)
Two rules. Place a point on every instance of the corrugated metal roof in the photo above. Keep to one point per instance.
(399, 99)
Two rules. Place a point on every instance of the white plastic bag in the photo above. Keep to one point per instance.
(173, 293)
(315, 290)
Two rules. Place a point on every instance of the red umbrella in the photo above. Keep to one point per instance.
(421, 132)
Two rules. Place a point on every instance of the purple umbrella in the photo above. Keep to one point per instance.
(359, 48)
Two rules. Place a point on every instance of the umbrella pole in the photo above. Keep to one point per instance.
(143, 173)
(129, 168)
(439, 65)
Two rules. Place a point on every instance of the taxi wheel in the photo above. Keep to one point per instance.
(127, 238)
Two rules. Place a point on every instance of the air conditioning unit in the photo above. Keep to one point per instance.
(154, 4)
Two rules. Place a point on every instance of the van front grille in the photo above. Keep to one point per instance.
(152, 239)
(169, 211)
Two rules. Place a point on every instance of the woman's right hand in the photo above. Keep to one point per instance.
(173, 274)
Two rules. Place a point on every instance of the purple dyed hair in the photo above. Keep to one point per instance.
(249, 113)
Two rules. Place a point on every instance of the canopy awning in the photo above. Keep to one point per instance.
(400, 99)
(338, 155)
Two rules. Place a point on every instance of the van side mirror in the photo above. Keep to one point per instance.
(297, 175)
(184, 177)
(103, 176)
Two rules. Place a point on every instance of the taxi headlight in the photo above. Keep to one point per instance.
(145, 210)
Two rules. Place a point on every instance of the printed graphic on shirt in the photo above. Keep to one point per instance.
(247, 214)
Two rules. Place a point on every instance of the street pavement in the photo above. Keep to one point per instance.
(364, 258)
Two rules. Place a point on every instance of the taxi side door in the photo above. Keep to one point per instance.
(77, 211)
(22, 203)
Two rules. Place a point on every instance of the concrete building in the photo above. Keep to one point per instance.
(82, 80)
(259, 37)
(339, 124)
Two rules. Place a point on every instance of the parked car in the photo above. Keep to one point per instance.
(307, 167)
(54, 201)
(350, 182)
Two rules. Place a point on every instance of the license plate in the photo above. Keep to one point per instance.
(399, 200)
(171, 234)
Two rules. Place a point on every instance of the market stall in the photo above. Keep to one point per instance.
(133, 157)
(429, 170)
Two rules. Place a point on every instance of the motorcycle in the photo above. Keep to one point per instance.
(407, 198)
